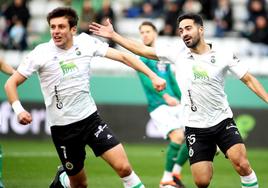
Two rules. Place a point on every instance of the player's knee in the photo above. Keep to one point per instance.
(124, 170)
(243, 167)
(176, 136)
(202, 182)
(79, 184)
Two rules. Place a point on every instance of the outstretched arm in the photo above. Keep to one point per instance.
(107, 31)
(255, 86)
(11, 85)
(6, 68)
(158, 83)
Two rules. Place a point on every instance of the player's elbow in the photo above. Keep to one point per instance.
(9, 84)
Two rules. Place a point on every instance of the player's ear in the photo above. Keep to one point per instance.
(201, 29)
(74, 30)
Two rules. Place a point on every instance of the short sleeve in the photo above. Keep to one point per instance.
(236, 67)
(30, 64)
(163, 52)
(100, 48)
(168, 53)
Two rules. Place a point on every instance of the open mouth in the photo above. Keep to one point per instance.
(187, 39)
(57, 39)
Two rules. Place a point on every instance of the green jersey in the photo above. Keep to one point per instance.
(154, 98)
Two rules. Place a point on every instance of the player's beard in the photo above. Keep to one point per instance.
(194, 43)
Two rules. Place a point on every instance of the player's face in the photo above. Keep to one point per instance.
(148, 35)
(190, 33)
(61, 33)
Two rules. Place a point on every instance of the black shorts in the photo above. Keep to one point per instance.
(70, 141)
(202, 142)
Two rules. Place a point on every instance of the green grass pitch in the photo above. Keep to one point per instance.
(32, 164)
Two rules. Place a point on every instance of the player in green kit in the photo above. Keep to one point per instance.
(164, 109)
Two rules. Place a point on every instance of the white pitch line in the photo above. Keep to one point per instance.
(30, 154)
(54, 154)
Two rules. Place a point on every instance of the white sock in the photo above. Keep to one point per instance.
(249, 181)
(167, 176)
(177, 169)
(132, 181)
(64, 179)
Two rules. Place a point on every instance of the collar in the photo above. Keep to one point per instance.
(190, 54)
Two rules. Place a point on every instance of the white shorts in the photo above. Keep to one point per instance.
(167, 118)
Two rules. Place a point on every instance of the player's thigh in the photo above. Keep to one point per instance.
(201, 144)
(70, 148)
(116, 157)
(227, 135)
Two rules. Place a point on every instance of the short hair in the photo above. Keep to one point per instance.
(67, 12)
(195, 17)
(148, 23)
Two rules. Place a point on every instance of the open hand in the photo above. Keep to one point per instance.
(105, 31)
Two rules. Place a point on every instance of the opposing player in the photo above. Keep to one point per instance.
(164, 108)
(201, 68)
(63, 65)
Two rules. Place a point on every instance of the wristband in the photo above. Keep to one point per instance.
(17, 107)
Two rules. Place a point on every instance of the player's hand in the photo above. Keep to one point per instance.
(171, 101)
(24, 118)
(159, 83)
(105, 31)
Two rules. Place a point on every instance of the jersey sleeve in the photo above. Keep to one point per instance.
(30, 64)
(236, 67)
(164, 53)
(100, 48)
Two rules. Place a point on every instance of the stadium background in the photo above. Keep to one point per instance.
(121, 101)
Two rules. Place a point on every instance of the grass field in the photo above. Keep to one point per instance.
(32, 164)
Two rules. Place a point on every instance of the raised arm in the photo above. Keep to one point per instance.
(255, 86)
(159, 83)
(107, 31)
(11, 86)
(6, 68)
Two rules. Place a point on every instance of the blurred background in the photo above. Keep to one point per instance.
(29, 159)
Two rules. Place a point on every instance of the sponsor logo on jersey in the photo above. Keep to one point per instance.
(200, 73)
(161, 67)
(68, 67)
